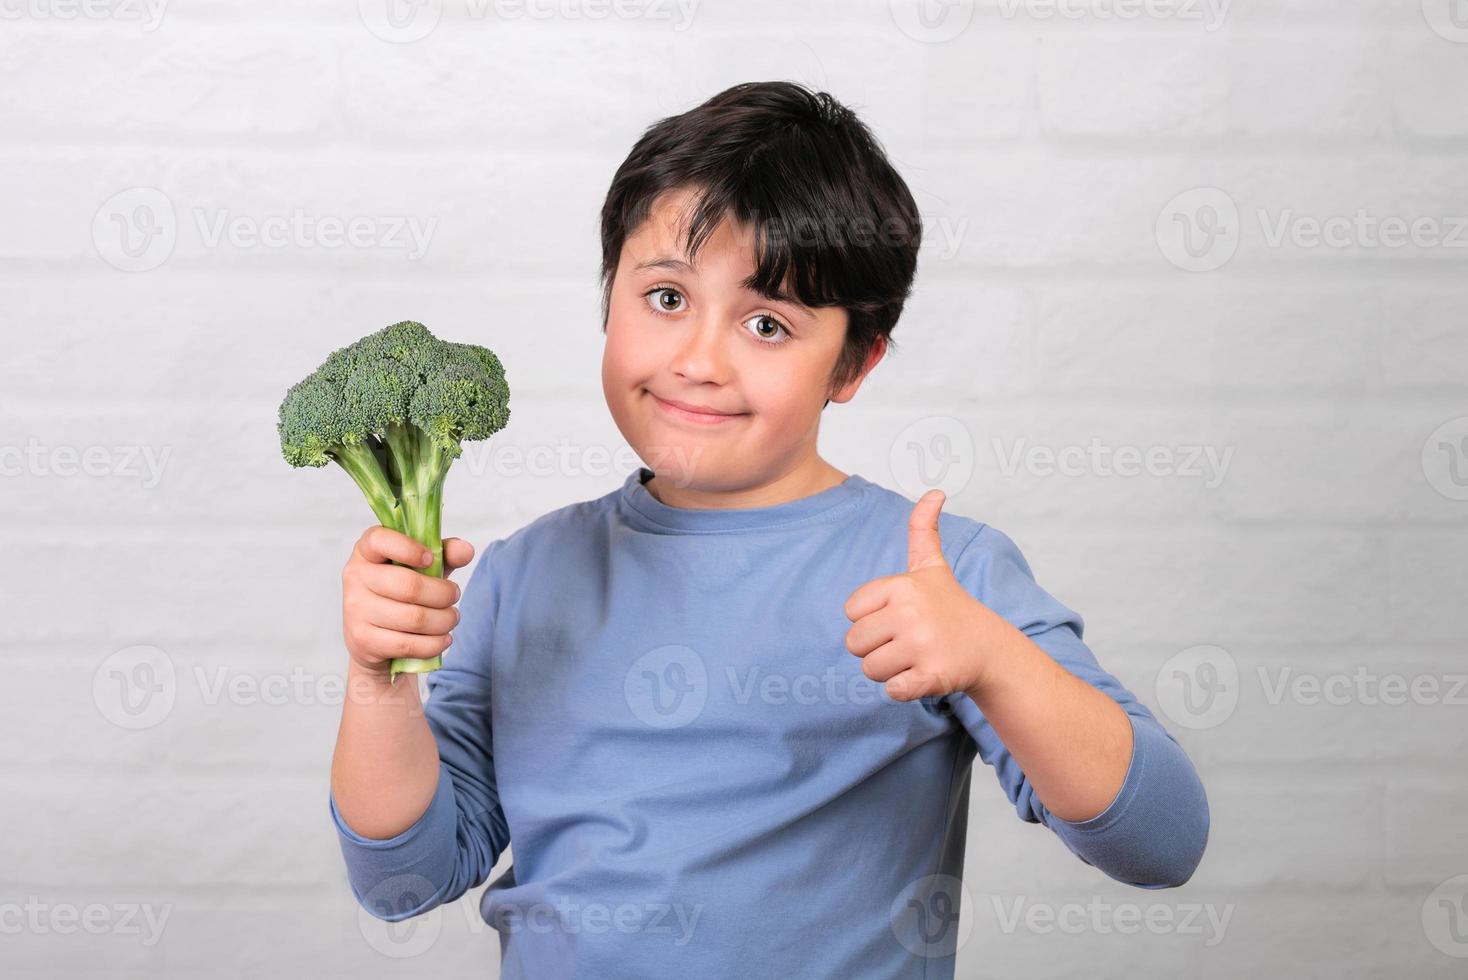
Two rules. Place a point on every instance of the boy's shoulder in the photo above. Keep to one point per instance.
(984, 558)
(986, 561)
(959, 533)
(566, 526)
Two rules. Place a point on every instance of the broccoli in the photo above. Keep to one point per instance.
(391, 410)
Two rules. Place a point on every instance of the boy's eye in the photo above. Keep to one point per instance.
(764, 322)
(665, 301)
(659, 297)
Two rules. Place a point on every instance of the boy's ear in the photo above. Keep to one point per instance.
(848, 391)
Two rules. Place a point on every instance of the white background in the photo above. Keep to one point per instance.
(1058, 162)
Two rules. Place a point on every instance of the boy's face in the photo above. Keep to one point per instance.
(694, 335)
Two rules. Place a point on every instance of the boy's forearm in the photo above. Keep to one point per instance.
(1072, 741)
(385, 768)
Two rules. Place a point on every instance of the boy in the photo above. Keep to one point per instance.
(727, 712)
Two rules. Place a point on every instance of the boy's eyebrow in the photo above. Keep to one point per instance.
(679, 265)
(664, 263)
(780, 296)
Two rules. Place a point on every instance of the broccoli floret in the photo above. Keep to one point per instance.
(392, 410)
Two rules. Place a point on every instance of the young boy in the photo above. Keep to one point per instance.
(727, 712)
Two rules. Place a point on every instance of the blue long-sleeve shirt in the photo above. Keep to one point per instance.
(657, 707)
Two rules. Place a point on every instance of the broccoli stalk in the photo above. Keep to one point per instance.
(361, 465)
(392, 410)
(421, 467)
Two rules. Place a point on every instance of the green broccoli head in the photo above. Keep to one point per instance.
(458, 402)
(402, 374)
(393, 410)
(310, 422)
(377, 394)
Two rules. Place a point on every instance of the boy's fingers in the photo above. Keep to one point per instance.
(406, 585)
(869, 598)
(380, 544)
(391, 643)
(911, 684)
(456, 554)
(870, 632)
(405, 617)
(885, 662)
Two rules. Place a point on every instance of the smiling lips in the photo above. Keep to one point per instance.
(695, 413)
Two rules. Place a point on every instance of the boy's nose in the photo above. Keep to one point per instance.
(701, 356)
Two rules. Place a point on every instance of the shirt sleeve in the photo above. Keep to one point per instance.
(1153, 833)
(454, 845)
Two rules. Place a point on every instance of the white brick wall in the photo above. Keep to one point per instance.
(1049, 312)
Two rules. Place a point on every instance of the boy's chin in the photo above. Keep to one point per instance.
(682, 466)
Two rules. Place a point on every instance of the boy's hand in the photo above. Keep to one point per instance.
(390, 611)
(920, 631)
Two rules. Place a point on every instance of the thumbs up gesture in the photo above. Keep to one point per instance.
(920, 631)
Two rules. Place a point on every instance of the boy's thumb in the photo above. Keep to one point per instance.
(456, 553)
(924, 546)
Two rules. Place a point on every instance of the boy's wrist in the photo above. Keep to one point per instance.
(1010, 664)
(369, 685)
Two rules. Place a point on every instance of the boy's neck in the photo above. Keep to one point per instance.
(811, 478)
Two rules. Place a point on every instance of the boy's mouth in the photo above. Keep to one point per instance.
(691, 412)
